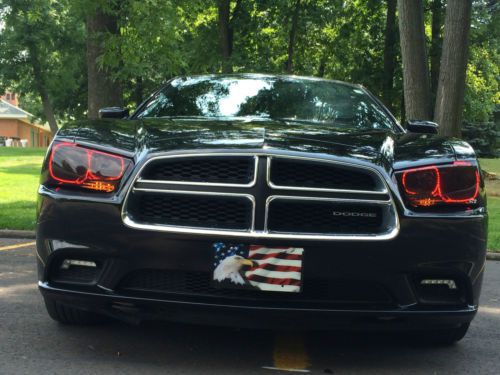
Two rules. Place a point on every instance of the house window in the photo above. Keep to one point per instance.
(7, 96)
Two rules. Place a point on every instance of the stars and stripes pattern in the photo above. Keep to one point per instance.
(276, 268)
(222, 251)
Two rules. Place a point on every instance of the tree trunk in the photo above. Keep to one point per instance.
(451, 85)
(48, 110)
(436, 42)
(322, 64)
(138, 92)
(103, 91)
(389, 54)
(292, 37)
(225, 38)
(41, 86)
(413, 52)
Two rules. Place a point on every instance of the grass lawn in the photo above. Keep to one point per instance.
(19, 174)
(493, 191)
(20, 169)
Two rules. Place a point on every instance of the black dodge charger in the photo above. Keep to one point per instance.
(262, 201)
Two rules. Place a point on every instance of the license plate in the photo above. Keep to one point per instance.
(255, 267)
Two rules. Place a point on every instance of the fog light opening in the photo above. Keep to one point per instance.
(67, 263)
(448, 282)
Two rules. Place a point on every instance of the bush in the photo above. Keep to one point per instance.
(483, 136)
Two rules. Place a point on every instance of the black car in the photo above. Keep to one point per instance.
(262, 201)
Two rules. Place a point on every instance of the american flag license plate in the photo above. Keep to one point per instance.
(255, 267)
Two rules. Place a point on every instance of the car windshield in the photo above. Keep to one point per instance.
(289, 99)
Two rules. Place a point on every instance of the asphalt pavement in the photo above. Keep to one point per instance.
(31, 343)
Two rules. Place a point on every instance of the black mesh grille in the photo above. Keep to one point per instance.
(75, 274)
(206, 211)
(324, 217)
(198, 283)
(214, 169)
(313, 174)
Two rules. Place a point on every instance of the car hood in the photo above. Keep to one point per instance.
(386, 149)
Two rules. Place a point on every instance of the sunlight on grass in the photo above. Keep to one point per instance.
(492, 166)
(493, 192)
(494, 223)
(19, 174)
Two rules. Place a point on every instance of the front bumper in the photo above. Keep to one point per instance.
(439, 248)
(136, 309)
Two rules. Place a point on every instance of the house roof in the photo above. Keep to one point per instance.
(9, 111)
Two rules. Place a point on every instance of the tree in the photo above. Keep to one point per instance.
(225, 34)
(103, 90)
(40, 57)
(482, 89)
(148, 42)
(413, 52)
(451, 86)
(292, 36)
(226, 22)
(389, 54)
(437, 16)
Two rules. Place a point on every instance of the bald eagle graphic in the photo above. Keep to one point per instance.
(231, 268)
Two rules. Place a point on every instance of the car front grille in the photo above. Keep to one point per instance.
(216, 170)
(261, 196)
(306, 174)
(198, 284)
(75, 274)
(316, 216)
(226, 212)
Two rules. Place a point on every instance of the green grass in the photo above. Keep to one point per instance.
(20, 170)
(492, 185)
(19, 174)
(493, 192)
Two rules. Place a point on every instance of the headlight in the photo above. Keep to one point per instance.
(457, 184)
(79, 167)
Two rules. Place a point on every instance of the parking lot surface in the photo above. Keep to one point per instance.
(31, 343)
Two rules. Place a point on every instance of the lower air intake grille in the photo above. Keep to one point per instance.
(324, 217)
(189, 210)
(198, 283)
(75, 274)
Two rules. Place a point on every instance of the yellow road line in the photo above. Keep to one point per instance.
(290, 353)
(17, 246)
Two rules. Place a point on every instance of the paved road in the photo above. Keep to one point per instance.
(31, 343)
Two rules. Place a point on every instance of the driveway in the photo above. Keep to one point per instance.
(31, 343)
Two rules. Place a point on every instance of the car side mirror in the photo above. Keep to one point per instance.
(113, 112)
(419, 126)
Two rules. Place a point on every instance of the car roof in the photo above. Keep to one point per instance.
(265, 76)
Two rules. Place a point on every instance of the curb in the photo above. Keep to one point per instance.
(8, 233)
(30, 234)
(492, 256)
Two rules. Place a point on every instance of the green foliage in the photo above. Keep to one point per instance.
(483, 70)
(51, 30)
(159, 39)
(483, 137)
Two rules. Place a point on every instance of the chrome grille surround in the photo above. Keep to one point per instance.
(245, 192)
